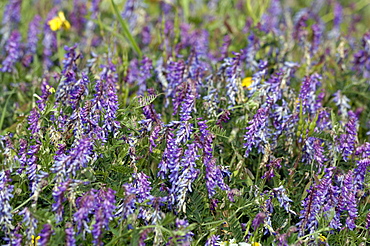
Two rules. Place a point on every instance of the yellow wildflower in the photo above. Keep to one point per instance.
(322, 238)
(34, 240)
(256, 244)
(59, 22)
(247, 82)
(50, 89)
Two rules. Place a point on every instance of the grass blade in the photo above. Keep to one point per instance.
(126, 31)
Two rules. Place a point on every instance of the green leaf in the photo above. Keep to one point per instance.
(126, 31)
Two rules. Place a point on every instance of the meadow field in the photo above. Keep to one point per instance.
(184, 122)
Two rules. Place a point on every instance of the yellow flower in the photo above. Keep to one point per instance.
(256, 244)
(247, 82)
(34, 240)
(322, 238)
(50, 89)
(59, 22)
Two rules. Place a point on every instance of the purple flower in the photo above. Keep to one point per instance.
(347, 142)
(49, 41)
(272, 166)
(213, 240)
(362, 57)
(34, 31)
(66, 165)
(31, 168)
(347, 201)
(299, 31)
(341, 101)
(15, 237)
(30, 223)
(184, 238)
(143, 236)
(105, 100)
(175, 77)
(317, 31)
(45, 234)
(367, 221)
(187, 176)
(70, 58)
(188, 104)
(258, 76)
(313, 151)
(129, 14)
(307, 94)
(77, 17)
(103, 213)
(272, 88)
(11, 19)
(258, 220)
(213, 174)
(251, 51)
(146, 36)
(284, 200)
(312, 206)
(45, 89)
(270, 20)
(6, 195)
(225, 47)
(13, 51)
(338, 9)
(363, 165)
(224, 117)
(78, 91)
(143, 189)
(232, 74)
(22, 154)
(33, 121)
(140, 73)
(58, 194)
(172, 158)
(137, 192)
(70, 235)
(85, 205)
(256, 131)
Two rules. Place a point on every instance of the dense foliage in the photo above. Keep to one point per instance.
(185, 122)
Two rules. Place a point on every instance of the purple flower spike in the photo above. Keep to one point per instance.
(45, 235)
(13, 52)
(213, 175)
(58, 194)
(6, 195)
(348, 201)
(312, 206)
(103, 213)
(272, 166)
(185, 237)
(11, 19)
(299, 32)
(256, 131)
(213, 240)
(307, 95)
(367, 221)
(49, 41)
(258, 220)
(232, 74)
(347, 142)
(67, 165)
(30, 221)
(317, 30)
(34, 31)
(86, 205)
(70, 235)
